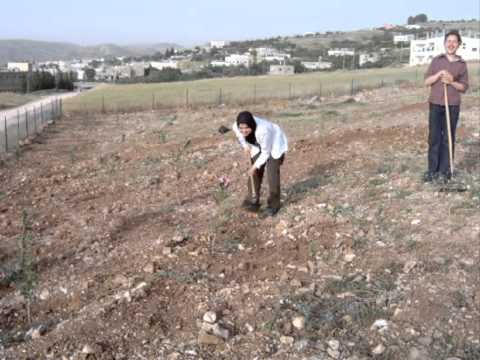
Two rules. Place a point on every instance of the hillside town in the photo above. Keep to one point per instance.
(407, 45)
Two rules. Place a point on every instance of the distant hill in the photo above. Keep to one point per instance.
(23, 50)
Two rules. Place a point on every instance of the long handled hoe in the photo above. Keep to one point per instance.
(451, 186)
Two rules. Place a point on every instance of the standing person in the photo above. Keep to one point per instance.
(449, 69)
(265, 145)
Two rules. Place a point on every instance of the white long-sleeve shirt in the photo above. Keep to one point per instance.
(270, 137)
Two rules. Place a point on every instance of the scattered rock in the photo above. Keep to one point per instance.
(350, 257)
(221, 332)
(296, 283)
(44, 294)
(381, 325)
(150, 268)
(121, 280)
(207, 339)
(416, 354)
(379, 350)
(210, 317)
(36, 332)
(409, 265)
(334, 344)
(88, 350)
(299, 322)
(287, 340)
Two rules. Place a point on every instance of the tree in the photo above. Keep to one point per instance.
(90, 74)
(420, 18)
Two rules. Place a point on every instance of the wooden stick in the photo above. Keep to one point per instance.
(449, 128)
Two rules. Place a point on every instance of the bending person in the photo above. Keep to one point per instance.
(265, 145)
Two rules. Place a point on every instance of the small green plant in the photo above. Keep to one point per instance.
(177, 162)
(27, 277)
(72, 154)
(221, 195)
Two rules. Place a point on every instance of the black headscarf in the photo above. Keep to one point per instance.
(246, 117)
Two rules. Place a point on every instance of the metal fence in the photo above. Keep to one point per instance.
(20, 125)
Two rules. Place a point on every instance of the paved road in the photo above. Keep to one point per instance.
(11, 114)
(28, 119)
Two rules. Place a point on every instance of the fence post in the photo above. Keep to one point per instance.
(61, 108)
(35, 120)
(186, 97)
(53, 111)
(320, 91)
(220, 96)
(290, 90)
(351, 88)
(103, 104)
(41, 115)
(416, 76)
(153, 101)
(6, 135)
(18, 127)
(254, 93)
(26, 122)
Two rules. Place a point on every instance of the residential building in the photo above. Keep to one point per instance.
(237, 59)
(218, 63)
(270, 54)
(19, 66)
(317, 65)
(403, 38)
(366, 58)
(218, 44)
(282, 70)
(160, 65)
(423, 51)
(341, 52)
(413, 27)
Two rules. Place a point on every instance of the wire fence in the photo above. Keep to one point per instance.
(18, 126)
(141, 97)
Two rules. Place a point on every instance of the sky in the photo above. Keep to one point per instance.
(192, 22)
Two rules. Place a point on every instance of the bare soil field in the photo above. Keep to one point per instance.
(138, 252)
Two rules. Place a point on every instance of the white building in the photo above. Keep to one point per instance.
(282, 70)
(269, 54)
(413, 27)
(160, 65)
(218, 63)
(423, 51)
(403, 38)
(19, 66)
(237, 59)
(341, 52)
(317, 65)
(368, 58)
(218, 44)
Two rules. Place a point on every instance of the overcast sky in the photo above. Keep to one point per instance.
(189, 22)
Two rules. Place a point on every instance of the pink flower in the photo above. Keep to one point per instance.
(224, 182)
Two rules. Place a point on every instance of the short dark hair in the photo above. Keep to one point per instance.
(454, 33)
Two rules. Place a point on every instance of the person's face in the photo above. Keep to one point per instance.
(244, 130)
(451, 44)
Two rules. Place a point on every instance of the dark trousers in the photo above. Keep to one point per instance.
(273, 177)
(438, 155)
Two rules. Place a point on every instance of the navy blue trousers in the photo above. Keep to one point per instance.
(438, 157)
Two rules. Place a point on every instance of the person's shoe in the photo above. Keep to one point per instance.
(250, 205)
(443, 179)
(270, 211)
(429, 177)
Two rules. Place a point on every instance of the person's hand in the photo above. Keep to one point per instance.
(447, 78)
(252, 171)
